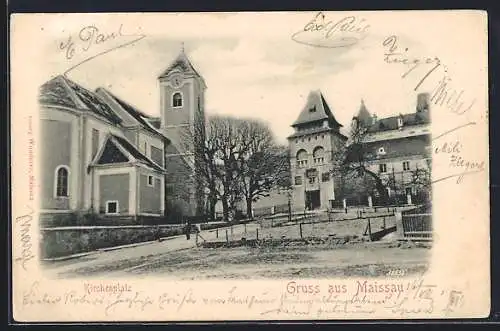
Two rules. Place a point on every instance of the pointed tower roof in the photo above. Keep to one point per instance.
(363, 115)
(182, 64)
(316, 109)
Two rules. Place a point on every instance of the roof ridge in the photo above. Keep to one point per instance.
(72, 92)
(114, 96)
(137, 150)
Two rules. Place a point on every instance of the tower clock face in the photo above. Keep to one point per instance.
(176, 80)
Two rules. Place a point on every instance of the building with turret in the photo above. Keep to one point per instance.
(312, 146)
(395, 148)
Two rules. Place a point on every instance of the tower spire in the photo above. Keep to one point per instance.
(182, 47)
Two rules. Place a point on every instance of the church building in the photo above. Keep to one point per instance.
(99, 155)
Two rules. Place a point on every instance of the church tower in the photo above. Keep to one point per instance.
(182, 98)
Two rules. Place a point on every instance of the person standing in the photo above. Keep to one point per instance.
(188, 230)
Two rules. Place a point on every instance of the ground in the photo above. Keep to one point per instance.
(179, 258)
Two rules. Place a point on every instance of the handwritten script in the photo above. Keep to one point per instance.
(413, 298)
(92, 37)
(321, 32)
(24, 223)
(443, 94)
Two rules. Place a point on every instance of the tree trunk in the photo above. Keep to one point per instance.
(379, 185)
(225, 208)
(249, 207)
(212, 202)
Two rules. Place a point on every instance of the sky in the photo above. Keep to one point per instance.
(251, 65)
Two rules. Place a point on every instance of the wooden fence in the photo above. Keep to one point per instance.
(417, 226)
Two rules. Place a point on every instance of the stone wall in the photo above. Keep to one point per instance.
(63, 241)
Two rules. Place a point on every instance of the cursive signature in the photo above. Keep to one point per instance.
(444, 93)
(320, 32)
(91, 37)
(25, 222)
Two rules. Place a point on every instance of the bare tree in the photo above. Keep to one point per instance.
(238, 160)
(353, 160)
(264, 165)
(223, 133)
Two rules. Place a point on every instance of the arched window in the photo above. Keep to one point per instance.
(301, 158)
(319, 155)
(62, 181)
(177, 99)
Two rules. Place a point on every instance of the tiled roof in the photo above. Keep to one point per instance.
(136, 153)
(64, 92)
(391, 123)
(181, 62)
(401, 147)
(139, 116)
(112, 154)
(316, 109)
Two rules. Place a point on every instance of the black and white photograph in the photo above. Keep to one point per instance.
(286, 147)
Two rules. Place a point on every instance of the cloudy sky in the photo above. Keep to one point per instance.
(252, 66)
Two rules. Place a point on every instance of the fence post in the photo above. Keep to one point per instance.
(245, 228)
(257, 233)
(196, 239)
(384, 224)
(217, 233)
(227, 238)
(369, 229)
(231, 230)
(300, 229)
(399, 225)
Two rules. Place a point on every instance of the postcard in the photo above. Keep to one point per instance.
(249, 166)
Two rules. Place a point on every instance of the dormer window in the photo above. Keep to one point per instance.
(400, 122)
(312, 109)
(177, 100)
(381, 151)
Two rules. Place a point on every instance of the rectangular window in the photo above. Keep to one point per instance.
(382, 167)
(325, 176)
(312, 180)
(95, 142)
(408, 191)
(151, 181)
(298, 180)
(406, 165)
(112, 207)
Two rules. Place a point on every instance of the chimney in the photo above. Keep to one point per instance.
(374, 118)
(422, 102)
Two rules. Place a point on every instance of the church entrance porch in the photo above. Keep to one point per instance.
(313, 200)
